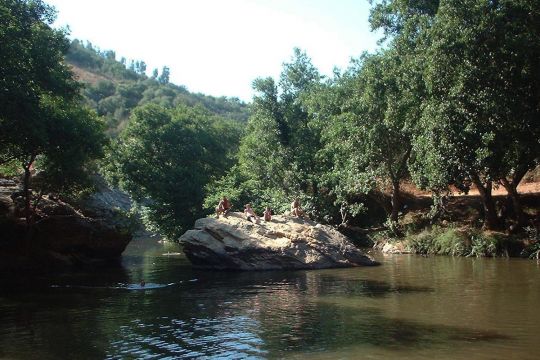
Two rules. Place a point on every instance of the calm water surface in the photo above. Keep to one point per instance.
(411, 307)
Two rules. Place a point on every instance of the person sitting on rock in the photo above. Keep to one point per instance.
(223, 207)
(250, 214)
(267, 214)
(296, 210)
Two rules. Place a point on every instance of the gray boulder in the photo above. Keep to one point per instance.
(286, 242)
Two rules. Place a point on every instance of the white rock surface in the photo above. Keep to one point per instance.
(284, 243)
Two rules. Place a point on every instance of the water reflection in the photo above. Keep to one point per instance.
(380, 312)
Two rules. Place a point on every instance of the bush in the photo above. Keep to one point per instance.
(451, 241)
(483, 244)
(532, 251)
(439, 241)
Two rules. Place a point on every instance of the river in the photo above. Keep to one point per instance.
(411, 307)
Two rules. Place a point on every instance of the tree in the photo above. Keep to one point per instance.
(75, 137)
(40, 116)
(164, 159)
(480, 125)
(142, 68)
(279, 148)
(164, 76)
(371, 137)
(401, 19)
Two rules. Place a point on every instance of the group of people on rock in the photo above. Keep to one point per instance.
(225, 206)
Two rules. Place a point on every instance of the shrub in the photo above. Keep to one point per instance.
(483, 244)
(532, 251)
(451, 241)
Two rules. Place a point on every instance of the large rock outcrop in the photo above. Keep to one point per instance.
(234, 243)
(60, 235)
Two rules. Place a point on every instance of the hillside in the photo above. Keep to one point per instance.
(113, 88)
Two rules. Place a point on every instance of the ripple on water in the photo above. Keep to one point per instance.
(210, 338)
(462, 308)
(145, 286)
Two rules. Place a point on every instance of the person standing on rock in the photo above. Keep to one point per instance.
(223, 207)
(296, 210)
(267, 214)
(250, 214)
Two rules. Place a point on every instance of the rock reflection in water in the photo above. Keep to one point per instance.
(277, 313)
(257, 315)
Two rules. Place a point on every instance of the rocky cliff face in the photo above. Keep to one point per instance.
(286, 242)
(61, 234)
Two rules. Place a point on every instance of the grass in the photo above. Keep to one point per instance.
(454, 241)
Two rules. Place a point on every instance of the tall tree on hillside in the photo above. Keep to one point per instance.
(39, 111)
(164, 76)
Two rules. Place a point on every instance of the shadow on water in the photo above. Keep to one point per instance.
(289, 319)
(365, 287)
(211, 314)
(274, 313)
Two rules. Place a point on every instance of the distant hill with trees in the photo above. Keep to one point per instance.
(115, 87)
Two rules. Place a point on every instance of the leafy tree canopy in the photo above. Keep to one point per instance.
(165, 157)
(40, 114)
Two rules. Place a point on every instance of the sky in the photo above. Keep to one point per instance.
(218, 47)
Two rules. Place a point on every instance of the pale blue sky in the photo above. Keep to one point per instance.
(219, 47)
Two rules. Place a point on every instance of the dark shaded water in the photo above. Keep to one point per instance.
(411, 307)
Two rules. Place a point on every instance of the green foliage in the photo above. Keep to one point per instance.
(439, 241)
(452, 98)
(165, 158)
(32, 67)
(279, 150)
(40, 114)
(479, 124)
(451, 241)
(10, 169)
(370, 136)
(240, 190)
(163, 78)
(78, 139)
(483, 244)
(398, 17)
(102, 90)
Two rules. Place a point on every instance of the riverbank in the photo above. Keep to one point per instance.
(457, 229)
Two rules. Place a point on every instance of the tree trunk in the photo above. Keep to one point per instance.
(511, 189)
(491, 221)
(26, 191)
(396, 201)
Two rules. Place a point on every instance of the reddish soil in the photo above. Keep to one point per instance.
(467, 208)
(523, 188)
